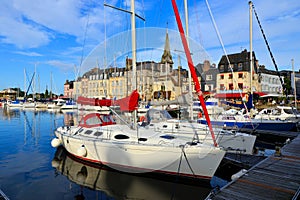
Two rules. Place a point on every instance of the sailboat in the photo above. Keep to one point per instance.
(137, 149)
(99, 139)
(237, 120)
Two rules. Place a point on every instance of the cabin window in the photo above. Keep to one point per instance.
(80, 130)
(88, 132)
(93, 121)
(98, 133)
(165, 126)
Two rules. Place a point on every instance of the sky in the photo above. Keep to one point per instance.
(60, 40)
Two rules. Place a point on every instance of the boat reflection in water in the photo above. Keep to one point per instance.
(119, 185)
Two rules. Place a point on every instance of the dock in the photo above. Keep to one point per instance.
(276, 177)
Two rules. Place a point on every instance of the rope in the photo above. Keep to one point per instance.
(178, 170)
(269, 49)
(84, 39)
(182, 149)
(226, 55)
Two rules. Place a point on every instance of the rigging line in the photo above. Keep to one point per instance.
(105, 51)
(178, 171)
(269, 49)
(187, 161)
(224, 50)
(192, 68)
(84, 39)
(196, 10)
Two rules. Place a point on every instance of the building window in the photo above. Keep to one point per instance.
(240, 75)
(221, 68)
(240, 66)
(230, 76)
(208, 77)
(230, 86)
(222, 76)
(222, 87)
(240, 86)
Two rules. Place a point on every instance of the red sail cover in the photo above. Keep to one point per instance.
(129, 103)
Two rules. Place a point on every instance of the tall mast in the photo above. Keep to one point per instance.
(133, 43)
(294, 84)
(186, 15)
(192, 69)
(25, 88)
(250, 38)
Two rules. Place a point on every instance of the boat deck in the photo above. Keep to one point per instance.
(3, 196)
(276, 177)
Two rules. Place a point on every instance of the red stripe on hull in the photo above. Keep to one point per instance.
(142, 170)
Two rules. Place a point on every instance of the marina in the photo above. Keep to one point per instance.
(34, 129)
(130, 129)
(30, 168)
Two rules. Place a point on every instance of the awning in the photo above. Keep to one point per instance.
(236, 95)
(228, 95)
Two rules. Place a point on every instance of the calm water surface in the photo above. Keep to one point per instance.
(32, 169)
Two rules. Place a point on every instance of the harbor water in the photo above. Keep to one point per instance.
(32, 169)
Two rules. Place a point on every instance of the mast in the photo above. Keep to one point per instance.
(51, 85)
(25, 88)
(250, 39)
(133, 43)
(192, 69)
(189, 72)
(294, 84)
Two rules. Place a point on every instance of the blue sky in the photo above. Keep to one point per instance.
(57, 37)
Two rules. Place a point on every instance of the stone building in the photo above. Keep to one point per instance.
(235, 78)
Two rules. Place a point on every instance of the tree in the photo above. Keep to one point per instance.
(46, 93)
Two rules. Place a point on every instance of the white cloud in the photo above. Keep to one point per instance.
(32, 54)
(61, 65)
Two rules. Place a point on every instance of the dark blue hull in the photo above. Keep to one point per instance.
(264, 125)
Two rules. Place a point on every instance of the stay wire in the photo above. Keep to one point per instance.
(269, 49)
(178, 171)
(224, 50)
(187, 161)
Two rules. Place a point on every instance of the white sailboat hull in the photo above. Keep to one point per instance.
(199, 160)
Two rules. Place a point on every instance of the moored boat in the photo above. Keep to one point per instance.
(137, 150)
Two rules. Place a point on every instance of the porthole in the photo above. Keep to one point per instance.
(121, 137)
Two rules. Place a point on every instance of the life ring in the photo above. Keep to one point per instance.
(246, 97)
(199, 114)
(142, 118)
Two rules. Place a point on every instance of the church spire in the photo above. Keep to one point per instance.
(167, 57)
